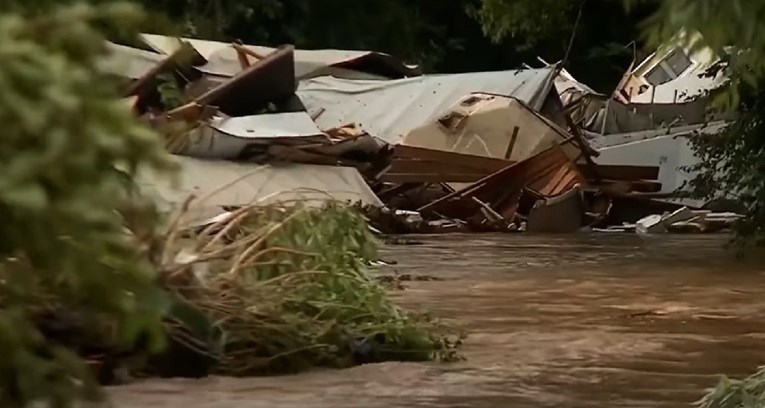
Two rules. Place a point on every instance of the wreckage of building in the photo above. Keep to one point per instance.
(526, 149)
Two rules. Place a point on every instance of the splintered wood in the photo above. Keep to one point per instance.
(421, 165)
(548, 173)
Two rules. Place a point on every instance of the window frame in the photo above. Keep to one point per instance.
(665, 68)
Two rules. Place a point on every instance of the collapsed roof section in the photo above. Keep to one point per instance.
(270, 79)
(220, 59)
(676, 72)
(219, 183)
(392, 109)
(232, 138)
(682, 89)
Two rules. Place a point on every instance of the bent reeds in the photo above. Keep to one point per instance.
(287, 288)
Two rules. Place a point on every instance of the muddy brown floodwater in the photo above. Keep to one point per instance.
(577, 321)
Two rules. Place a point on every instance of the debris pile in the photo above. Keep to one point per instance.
(266, 272)
(685, 220)
(522, 150)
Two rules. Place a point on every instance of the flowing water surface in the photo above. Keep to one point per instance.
(553, 321)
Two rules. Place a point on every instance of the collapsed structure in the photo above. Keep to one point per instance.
(530, 149)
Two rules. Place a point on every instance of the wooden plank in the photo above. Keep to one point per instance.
(489, 164)
(519, 171)
(566, 183)
(541, 177)
(554, 181)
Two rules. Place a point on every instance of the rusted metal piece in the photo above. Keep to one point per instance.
(271, 79)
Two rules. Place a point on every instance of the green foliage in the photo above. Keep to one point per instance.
(289, 289)
(63, 246)
(218, 18)
(602, 41)
(527, 20)
(746, 393)
(714, 20)
(731, 162)
(394, 26)
(170, 93)
(441, 36)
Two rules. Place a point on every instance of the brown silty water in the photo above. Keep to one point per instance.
(576, 321)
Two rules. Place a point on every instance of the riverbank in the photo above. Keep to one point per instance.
(576, 321)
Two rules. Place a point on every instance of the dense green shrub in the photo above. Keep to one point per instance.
(66, 144)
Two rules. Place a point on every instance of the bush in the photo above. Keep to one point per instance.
(288, 289)
(63, 245)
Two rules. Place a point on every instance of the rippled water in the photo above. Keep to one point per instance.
(574, 321)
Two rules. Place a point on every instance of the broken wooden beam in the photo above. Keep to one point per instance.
(537, 172)
(141, 85)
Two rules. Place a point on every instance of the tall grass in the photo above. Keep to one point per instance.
(286, 288)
